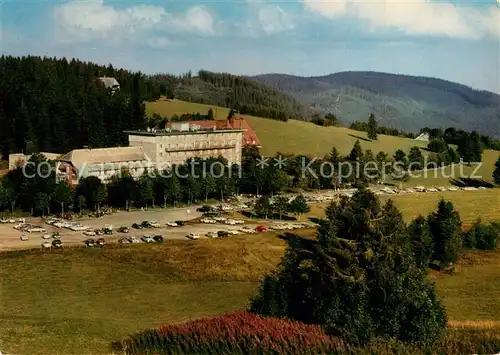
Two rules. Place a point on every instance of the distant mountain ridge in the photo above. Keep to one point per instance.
(399, 101)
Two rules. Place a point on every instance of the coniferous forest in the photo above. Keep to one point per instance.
(59, 105)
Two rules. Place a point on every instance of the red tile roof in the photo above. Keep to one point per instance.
(249, 136)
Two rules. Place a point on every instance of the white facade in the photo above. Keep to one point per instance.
(174, 148)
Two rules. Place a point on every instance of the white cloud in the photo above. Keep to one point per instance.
(197, 18)
(420, 17)
(84, 20)
(273, 19)
(158, 42)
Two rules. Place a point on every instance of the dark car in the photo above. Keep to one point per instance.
(90, 242)
(158, 238)
(123, 230)
(57, 243)
(222, 234)
(146, 224)
(180, 223)
(136, 226)
(204, 208)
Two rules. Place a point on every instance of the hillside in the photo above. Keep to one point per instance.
(224, 89)
(299, 137)
(399, 101)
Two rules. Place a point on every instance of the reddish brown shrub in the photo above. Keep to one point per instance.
(234, 333)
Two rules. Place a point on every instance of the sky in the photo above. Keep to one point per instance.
(452, 40)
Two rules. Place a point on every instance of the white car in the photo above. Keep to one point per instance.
(193, 236)
(155, 224)
(207, 220)
(247, 229)
(233, 232)
(89, 233)
(46, 236)
(135, 240)
(211, 235)
(147, 239)
(171, 224)
(46, 245)
(24, 238)
(4, 220)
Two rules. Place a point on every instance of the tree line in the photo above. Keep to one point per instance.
(232, 91)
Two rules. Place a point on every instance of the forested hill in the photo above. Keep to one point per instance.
(60, 105)
(232, 91)
(400, 101)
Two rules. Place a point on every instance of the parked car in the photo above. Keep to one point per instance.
(57, 243)
(108, 230)
(260, 228)
(137, 226)
(56, 235)
(135, 240)
(90, 242)
(222, 234)
(4, 220)
(155, 224)
(247, 229)
(146, 224)
(204, 208)
(193, 236)
(211, 235)
(46, 236)
(24, 238)
(47, 245)
(172, 224)
(123, 229)
(101, 242)
(89, 233)
(208, 220)
(158, 238)
(147, 239)
(124, 241)
(179, 223)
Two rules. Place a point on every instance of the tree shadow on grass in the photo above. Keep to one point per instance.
(470, 182)
(300, 241)
(359, 137)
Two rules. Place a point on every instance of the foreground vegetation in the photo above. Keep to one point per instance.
(79, 300)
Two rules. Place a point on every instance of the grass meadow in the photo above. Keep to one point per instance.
(76, 301)
(299, 137)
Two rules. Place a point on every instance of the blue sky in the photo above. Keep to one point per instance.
(457, 41)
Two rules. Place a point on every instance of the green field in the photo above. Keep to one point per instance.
(77, 301)
(300, 137)
(470, 204)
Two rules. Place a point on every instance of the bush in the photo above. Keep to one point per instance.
(482, 236)
(234, 333)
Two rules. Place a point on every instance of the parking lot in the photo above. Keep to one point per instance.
(10, 237)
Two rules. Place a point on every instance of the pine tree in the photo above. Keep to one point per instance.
(496, 172)
(356, 278)
(422, 242)
(372, 127)
(299, 205)
(356, 152)
(445, 228)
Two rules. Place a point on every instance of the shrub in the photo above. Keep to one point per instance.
(482, 236)
(234, 333)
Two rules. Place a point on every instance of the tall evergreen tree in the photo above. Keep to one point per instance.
(372, 127)
(355, 280)
(446, 232)
(496, 172)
